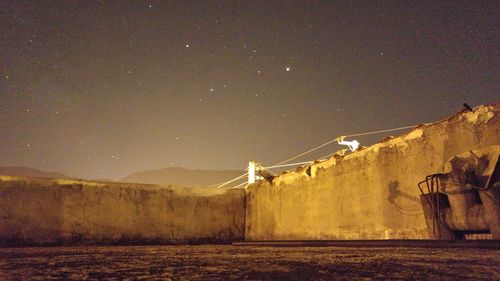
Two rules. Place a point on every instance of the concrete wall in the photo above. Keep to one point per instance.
(368, 194)
(44, 211)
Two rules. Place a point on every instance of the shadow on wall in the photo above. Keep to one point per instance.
(397, 197)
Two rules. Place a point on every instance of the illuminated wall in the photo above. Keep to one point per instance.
(44, 211)
(368, 194)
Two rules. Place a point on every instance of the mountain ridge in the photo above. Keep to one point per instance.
(164, 176)
(30, 172)
(181, 176)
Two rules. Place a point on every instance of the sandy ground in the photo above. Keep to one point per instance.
(247, 263)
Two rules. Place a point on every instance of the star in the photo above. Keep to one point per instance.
(287, 68)
(187, 45)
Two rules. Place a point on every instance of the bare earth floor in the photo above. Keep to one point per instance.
(247, 263)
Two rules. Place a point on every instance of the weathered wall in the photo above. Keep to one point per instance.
(44, 211)
(368, 194)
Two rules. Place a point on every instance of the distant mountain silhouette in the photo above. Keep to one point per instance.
(30, 172)
(182, 177)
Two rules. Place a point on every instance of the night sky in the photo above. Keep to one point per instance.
(101, 89)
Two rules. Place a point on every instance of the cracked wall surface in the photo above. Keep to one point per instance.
(368, 194)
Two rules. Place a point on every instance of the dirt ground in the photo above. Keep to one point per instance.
(247, 263)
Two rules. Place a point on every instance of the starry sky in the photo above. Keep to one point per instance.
(101, 89)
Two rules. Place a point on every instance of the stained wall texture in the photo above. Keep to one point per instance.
(47, 212)
(368, 194)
